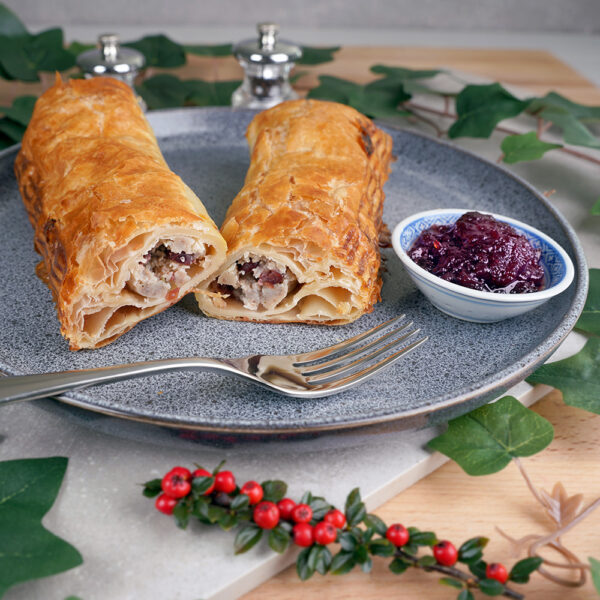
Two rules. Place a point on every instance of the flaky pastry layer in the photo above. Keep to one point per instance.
(303, 233)
(120, 235)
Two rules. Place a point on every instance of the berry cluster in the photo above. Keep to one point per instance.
(314, 524)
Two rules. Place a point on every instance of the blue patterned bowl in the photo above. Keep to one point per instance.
(475, 305)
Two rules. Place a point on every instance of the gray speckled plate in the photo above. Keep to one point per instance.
(461, 366)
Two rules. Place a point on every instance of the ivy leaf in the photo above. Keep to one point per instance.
(209, 50)
(481, 107)
(14, 131)
(246, 538)
(210, 93)
(596, 208)
(76, 48)
(522, 570)
(589, 321)
(28, 489)
(21, 109)
(10, 24)
(491, 587)
(574, 131)
(555, 101)
(485, 440)
(163, 91)
(404, 74)
(343, 562)
(316, 56)
(577, 377)
(279, 539)
(595, 571)
(159, 50)
(526, 146)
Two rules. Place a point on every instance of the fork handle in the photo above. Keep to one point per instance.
(33, 387)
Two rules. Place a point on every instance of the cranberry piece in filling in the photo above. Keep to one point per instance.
(271, 277)
(182, 258)
(481, 253)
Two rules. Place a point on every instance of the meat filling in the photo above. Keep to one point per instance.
(166, 267)
(257, 281)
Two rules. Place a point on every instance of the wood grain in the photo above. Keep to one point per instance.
(458, 507)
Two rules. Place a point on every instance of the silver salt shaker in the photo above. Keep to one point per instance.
(267, 62)
(110, 59)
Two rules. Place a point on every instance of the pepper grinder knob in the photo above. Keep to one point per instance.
(267, 62)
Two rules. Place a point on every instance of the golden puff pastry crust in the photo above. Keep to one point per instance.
(303, 233)
(121, 236)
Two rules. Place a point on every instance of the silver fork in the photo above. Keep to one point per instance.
(310, 375)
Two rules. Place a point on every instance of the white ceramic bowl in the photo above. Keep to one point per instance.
(475, 305)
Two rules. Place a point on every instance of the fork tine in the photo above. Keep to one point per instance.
(340, 385)
(310, 357)
(324, 376)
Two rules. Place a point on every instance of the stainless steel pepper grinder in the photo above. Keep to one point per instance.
(110, 59)
(267, 63)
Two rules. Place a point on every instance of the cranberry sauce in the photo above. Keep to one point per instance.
(481, 253)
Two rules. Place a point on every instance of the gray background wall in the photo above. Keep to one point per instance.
(469, 15)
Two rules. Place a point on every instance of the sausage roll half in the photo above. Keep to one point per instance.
(303, 233)
(121, 236)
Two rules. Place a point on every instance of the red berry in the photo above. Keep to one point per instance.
(302, 513)
(204, 473)
(397, 534)
(324, 533)
(445, 553)
(253, 490)
(176, 483)
(165, 504)
(303, 534)
(286, 506)
(224, 482)
(266, 515)
(336, 518)
(497, 571)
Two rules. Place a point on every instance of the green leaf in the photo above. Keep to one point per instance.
(470, 551)
(355, 509)
(21, 109)
(12, 130)
(404, 74)
(316, 56)
(209, 93)
(410, 548)
(555, 101)
(209, 50)
(491, 587)
(424, 538)
(577, 377)
(228, 521)
(216, 513)
(589, 321)
(398, 566)
(76, 48)
(274, 490)
(574, 131)
(481, 107)
(478, 568)
(152, 488)
(160, 51)
(246, 538)
(306, 498)
(375, 523)
(320, 508)
(347, 541)
(485, 440)
(366, 565)
(28, 489)
(240, 501)
(10, 24)
(595, 572)
(302, 568)
(163, 91)
(465, 595)
(202, 484)
(522, 570)
(451, 582)
(343, 562)
(526, 146)
(596, 208)
(279, 539)
(426, 561)
(319, 559)
(382, 548)
(181, 513)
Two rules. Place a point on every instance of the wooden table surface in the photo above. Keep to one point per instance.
(448, 501)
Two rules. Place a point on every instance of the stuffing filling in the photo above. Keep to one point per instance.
(256, 281)
(166, 267)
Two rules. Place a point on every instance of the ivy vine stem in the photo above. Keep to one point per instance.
(412, 106)
(471, 581)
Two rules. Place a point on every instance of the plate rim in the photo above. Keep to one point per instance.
(418, 417)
